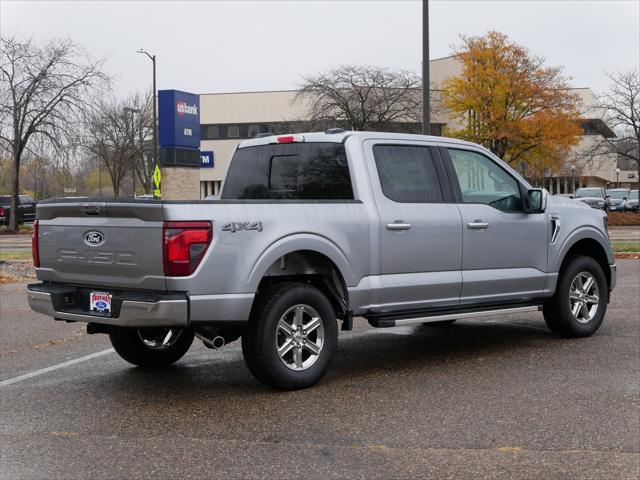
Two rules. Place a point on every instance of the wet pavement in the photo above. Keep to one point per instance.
(488, 398)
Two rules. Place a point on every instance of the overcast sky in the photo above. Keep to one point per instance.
(215, 46)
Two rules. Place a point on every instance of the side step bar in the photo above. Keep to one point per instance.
(396, 322)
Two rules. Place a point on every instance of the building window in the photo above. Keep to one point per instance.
(254, 130)
(233, 131)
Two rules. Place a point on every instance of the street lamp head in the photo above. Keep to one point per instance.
(617, 170)
(152, 57)
(573, 167)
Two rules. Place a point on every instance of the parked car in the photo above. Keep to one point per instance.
(595, 197)
(399, 229)
(26, 209)
(617, 199)
(632, 203)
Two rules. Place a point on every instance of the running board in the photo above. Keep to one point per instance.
(396, 322)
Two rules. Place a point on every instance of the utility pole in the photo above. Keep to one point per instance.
(426, 90)
(155, 119)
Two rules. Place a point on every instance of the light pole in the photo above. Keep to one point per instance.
(133, 141)
(617, 177)
(426, 91)
(155, 120)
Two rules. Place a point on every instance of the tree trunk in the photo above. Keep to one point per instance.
(15, 190)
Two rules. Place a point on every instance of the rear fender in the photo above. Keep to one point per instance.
(293, 243)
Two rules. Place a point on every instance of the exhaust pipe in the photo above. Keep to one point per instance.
(215, 343)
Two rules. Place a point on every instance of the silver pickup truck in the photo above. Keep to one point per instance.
(315, 228)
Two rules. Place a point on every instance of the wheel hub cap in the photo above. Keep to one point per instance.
(159, 338)
(300, 337)
(584, 297)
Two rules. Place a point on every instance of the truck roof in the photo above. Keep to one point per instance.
(339, 136)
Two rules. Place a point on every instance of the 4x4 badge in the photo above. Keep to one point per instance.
(234, 227)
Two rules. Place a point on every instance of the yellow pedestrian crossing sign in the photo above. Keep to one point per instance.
(157, 179)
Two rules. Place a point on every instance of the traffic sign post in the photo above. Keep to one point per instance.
(157, 180)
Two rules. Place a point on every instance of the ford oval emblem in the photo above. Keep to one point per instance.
(93, 238)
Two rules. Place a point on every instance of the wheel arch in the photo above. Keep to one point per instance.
(305, 258)
(590, 246)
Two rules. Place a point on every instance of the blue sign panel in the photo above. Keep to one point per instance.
(178, 119)
(206, 159)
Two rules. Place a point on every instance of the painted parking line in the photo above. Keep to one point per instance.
(42, 371)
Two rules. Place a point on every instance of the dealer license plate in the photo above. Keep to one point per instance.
(100, 302)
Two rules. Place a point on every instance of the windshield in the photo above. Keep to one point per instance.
(589, 192)
(617, 194)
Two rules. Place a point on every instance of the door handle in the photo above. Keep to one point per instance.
(398, 225)
(478, 225)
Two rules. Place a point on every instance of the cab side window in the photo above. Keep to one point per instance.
(407, 174)
(483, 181)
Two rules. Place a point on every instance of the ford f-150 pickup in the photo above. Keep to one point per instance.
(312, 230)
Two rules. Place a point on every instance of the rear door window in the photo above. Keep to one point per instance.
(295, 171)
(407, 173)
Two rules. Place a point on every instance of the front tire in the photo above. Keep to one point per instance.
(578, 307)
(292, 336)
(151, 347)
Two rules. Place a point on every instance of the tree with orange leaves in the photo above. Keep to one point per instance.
(507, 100)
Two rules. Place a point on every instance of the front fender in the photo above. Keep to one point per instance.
(297, 242)
(558, 254)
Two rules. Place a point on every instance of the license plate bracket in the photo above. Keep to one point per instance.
(100, 302)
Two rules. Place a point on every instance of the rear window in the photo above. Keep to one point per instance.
(293, 171)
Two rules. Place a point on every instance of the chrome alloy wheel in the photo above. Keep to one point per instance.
(584, 297)
(159, 338)
(300, 337)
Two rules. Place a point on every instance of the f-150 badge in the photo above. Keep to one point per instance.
(234, 227)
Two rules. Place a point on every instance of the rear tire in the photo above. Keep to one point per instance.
(292, 336)
(151, 347)
(578, 307)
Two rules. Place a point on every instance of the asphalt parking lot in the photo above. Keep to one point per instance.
(497, 398)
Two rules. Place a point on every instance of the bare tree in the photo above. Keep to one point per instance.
(43, 89)
(143, 131)
(112, 139)
(621, 108)
(362, 97)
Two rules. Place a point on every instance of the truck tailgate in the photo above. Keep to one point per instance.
(105, 244)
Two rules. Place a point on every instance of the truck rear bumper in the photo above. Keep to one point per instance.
(160, 311)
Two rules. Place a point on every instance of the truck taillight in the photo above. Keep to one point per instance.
(35, 252)
(185, 244)
(1, 212)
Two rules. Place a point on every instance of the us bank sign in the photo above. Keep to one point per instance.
(179, 119)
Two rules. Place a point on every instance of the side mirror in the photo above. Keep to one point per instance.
(537, 199)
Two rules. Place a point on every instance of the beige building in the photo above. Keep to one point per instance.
(228, 118)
